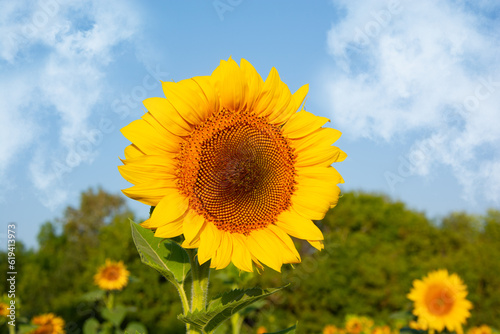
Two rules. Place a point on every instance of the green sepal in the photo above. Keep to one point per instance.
(223, 307)
(168, 257)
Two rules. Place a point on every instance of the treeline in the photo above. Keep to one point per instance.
(375, 248)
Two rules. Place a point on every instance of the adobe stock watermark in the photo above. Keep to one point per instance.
(45, 12)
(408, 165)
(223, 6)
(484, 90)
(380, 20)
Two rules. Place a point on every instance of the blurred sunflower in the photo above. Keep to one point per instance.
(112, 276)
(483, 329)
(356, 324)
(330, 329)
(4, 309)
(381, 330)
(261, 330)
(440, 302)
(229, 163)
(48, 324)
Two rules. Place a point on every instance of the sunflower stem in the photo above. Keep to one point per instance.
(200, 274)
(110, 300)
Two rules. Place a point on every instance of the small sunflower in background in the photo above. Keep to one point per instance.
(261, 330)
(48, 324)
(483, 329)
(381, 330)
(330, 329)
(112, 276)
(440, 302)
(4, 312)
(357, 324)
(229, 163)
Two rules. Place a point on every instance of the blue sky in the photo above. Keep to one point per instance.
(413, 86)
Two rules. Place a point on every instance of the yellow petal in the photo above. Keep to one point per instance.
(148, 168)
(132, 151)
(302, 124)
(172, 206)
(327, 175)
(224, 252)
(146, 138)
(230, 85)
(150, 193)
(207, 86)
(318, 244)
(210, 242)
(165, 113)
(263, 245)
(173, 141)
(299, 96)
(195, 243)
(193, 224)
(319, 156)
(274, 101)
(169, 230)
(319, 138)
(314, 203)
(297, 226)
(241, 256)
(188, 99)
(289, 253)
(254, 83)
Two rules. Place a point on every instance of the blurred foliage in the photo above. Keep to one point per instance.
(375, 248)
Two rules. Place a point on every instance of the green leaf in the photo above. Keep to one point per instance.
(93, 296)
(223, 307)
(91, 326)
(116, 315)
(136, 327)
(168, 257)
(289, 330)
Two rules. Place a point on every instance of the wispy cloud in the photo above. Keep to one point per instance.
(55, 55)
(426, 69)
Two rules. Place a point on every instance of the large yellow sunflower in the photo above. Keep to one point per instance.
(440, 302)
(48, 324)
(229, 163)
(112, 276)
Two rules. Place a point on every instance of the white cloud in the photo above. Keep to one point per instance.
(55, 57)
(427, 69)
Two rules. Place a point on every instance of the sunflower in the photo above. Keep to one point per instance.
(261, 330)
(112, 276)
(48, 324)
(330, 329)
(440, 302)
(483, 329)
(357, 325)
(4, 312)
(381, 330)
(229, 163)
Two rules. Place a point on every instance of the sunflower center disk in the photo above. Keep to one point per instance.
(111, 274)
(237, 171)
(439, 300)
